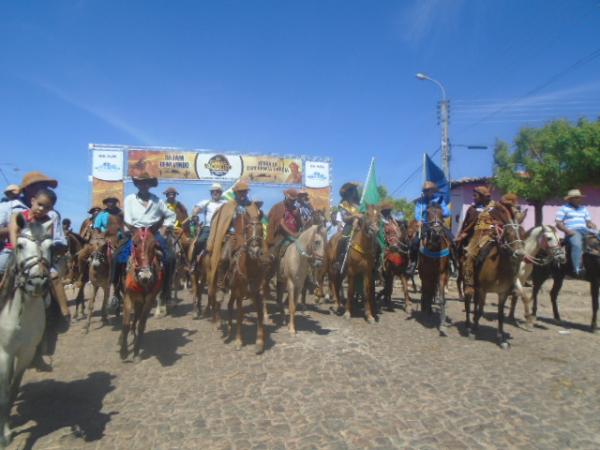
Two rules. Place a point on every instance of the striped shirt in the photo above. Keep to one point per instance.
(573, 218)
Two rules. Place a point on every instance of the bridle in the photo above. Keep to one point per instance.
(24, 268)
(553, 252)
(502, 235)
(310, 251)
(143, 234)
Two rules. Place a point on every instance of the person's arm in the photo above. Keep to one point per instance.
(287, 230)
(560, 224)
(4, 219)
(14, 230)
(588, 221)
(169, 217)
(58, 236)
(199, 207)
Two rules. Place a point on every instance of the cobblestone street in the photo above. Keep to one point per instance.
(337, 384)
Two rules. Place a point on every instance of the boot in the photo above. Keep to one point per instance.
(58, 291)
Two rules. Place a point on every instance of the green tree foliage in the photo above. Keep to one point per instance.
(400, 203)
(548, 161)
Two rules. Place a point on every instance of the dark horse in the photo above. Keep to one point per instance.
(591, 263)
(496, 268)
(396, 260)
(434, 264)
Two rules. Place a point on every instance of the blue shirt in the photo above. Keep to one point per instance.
(422, 204)
(101, 222)
(573, 218)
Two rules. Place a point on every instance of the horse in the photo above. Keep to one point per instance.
(497, 267)
(558, 271)
(245, 274)
(198, 277)
(395, 264)
(22, 313)
(100, 270)
(143, 283)
(307, 251)
(180, 240)
(542, 247)
(360, 262)
(434, 264)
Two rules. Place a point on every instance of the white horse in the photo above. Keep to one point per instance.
(308, 250)
(542, 246)
(23, 315)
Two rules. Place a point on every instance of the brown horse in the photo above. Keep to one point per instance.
(142, 285)
(199, 264)
(100, 270)
(360, 262)
(245, 274)
(434, 263)
(395, 264)
(497, 268)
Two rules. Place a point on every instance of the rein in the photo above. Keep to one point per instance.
(501, 231)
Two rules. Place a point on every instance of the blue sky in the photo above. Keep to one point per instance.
(326, 78)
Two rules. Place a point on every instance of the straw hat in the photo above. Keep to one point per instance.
(574, 193)
(386, 204)
(510, 199)
(216, 187)
(483, 190)
(430, 185)
(146, 177)
(37, 177)
(241, 186)
(13, 188)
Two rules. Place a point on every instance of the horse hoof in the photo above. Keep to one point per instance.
(260, 348)
(347, 315)
(370, 319)
(238, 345)
(5, 440)
(123, 354)
(443, 332)
(471, 336)
(504, 345)
(137, 359)
(104, 320)
(85, 330)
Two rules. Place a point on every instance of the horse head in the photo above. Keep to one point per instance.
(33, 256)
(509, 231)
(143, 256)
(250, 231)
(549, 241)
(370, 222)
(313, 245)
(434, 230)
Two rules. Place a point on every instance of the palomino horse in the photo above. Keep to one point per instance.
(308, 251)
(542, 247)
(496, 269)
(360, 262)
(591, 263)
(395, 264)
(143, 282)
(434, 263)
(100, 270)
(22, 313)
(245, 274)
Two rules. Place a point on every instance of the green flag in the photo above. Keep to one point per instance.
(370, 195)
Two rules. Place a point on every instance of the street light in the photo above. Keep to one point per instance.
(444, 110)
(471, 147)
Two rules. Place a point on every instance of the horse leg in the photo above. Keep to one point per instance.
(239, 341)
(127, 320)
(388, 287)
(292, 296)
(196, 303)
(91, 307)
(442, 303)
(79, 301)
(368, 292)
(537, 284)
(144, 312)
(501, 337)
(279, 295)
(556, 285)
(594, 286)
(349, 297)
(478, 305)
(7, 364)
(260, 325)
(513, 304)
(304, 289)
(105, 296)
(230, 315)
(467, 302)
(407, 300)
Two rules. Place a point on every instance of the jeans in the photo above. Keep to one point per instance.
(5, 257)
(576, 243)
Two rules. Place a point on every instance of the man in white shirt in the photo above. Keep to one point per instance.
(208, 208)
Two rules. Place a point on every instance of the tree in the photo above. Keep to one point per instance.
(400, 204)
(546, 162)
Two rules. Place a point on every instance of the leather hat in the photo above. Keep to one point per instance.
(94, 209)
(108, 199)
(146, 177)
(292, 194)
(241, 186)
(348, 186)
(510, 199)
(37, 177)
(171, 190)
(483, 190)
(429, 185)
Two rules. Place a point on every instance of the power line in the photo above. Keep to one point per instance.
(412, 174)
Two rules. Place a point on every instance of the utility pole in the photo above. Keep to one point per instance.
(444, 117)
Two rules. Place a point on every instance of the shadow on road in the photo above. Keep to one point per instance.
(163, 344)
(55, 404)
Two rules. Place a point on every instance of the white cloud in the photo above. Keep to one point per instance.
(421, 17)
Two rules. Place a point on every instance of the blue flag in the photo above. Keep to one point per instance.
(435, 174)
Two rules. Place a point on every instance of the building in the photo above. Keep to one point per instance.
(462, 196)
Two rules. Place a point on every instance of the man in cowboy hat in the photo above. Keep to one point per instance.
(11, 192)
(575, 221)
(207, 208)
(285, 223)
(305, 209)
(87, 226)
(481, 198)
(391, 230)
(176, 206)
(218, 244)
(430, 195)
(348, 214)
(111, 214)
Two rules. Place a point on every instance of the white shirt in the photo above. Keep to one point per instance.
(7, 209)
(209, 208)
(138, 215)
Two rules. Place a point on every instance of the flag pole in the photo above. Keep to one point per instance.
(362, 197)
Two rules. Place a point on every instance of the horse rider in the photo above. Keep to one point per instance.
(481, 198)
(66, 225)
(30, 185)
(305, 209)
(348, 214)
(87, 226)
(176, 206)
(145, 210)
(482, 235)
(207, 208)
(219, 244)
(391, 232)
(285, 223)
(11, 193)
(575, 221)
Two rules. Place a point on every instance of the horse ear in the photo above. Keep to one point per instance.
(521, 216)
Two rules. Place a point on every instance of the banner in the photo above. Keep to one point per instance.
(270, 169)
(320, 199)
(107, 165)
(217, 166)
(316, 174)
(163, 164)
(102, 189)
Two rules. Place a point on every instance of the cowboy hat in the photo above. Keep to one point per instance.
(386, 204)
(347, 187)
(109, 199)
(510, 199)
(145, 177)
(303, 192)
(13, 188)
(171, 190)
(292, 194)
(241, 186)
(483, 190)
(94, 209)
(37, 177)
(574, 193)
(429, 185)
(216, 187)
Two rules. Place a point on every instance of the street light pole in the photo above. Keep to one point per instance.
(444, 119)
